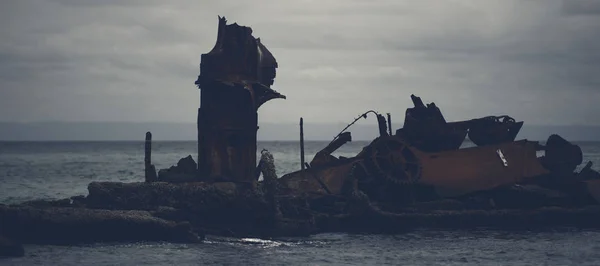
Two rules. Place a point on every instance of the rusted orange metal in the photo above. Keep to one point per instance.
(463, 171)
(324, 156)
(391, 160)
(235, 79)
(324, 179)
(455, 172)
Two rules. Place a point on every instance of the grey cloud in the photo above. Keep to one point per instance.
(92, 3)
(136, 60)
(581, 7)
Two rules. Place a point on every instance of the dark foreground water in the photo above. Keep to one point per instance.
(54, 170)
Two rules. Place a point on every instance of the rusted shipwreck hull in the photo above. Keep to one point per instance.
(451, 173)
(426, 153)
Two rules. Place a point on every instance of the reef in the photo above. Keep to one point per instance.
(417, 176)
(76, 225)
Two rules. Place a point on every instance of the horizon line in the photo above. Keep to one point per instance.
(280, 123)
(264, 140)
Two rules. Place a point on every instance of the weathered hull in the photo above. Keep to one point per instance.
(463, 171)
(450, 173)
(327, 179)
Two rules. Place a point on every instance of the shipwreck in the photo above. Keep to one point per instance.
(419, 175)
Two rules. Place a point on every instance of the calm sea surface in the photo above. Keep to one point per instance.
(55, 170)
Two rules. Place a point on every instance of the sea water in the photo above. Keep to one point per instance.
(56, 170)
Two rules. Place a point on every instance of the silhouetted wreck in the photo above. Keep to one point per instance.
(417, 176)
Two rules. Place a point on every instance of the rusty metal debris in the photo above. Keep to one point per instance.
(426, 152)
(235, 80)
(493, 130)
(426, 128)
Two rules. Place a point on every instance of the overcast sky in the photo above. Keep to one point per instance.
(126, 60)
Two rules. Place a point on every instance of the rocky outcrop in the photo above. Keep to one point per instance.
(173, 212)
(75, 201)
(221, 207)
(67, 225)
(149, 196)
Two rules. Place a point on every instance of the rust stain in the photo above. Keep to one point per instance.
(468, 170)
(235, 79)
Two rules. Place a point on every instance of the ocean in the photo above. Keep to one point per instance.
(56, 170)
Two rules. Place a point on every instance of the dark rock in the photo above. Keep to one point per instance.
(168, 175)
(78, 201)
(221, 205)
(184, 171)
(9, 248)
(187, 165)
(233, 209)
(75, 201)
(66, 225)
(561, 157)
(149, 196)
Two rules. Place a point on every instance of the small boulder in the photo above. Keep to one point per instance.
(184, 171)
(10, 248)
(187, 165)
(78, 201)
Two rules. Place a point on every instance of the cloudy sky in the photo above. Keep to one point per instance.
(137, 60)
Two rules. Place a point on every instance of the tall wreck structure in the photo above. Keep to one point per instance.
(235, 80)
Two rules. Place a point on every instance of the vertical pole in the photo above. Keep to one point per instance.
(302, 143)
(389, 119)
(148, 149)
(149, 170)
